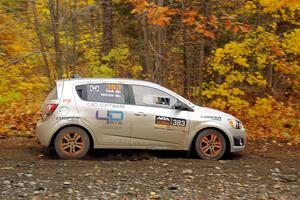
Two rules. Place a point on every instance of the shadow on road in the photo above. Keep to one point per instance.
(135, 155)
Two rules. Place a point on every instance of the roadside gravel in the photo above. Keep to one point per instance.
(264, 171)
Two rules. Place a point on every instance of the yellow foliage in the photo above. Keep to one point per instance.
(291, 42)
(287, 10)
(241, 61)
(256, 78)
(267, 117)
(250, 7)
(250, 64)
(234, 76)
(262, 107)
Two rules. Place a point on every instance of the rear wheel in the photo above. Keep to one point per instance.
(72, 143)
(210, 144)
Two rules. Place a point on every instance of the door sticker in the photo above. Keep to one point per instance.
(212, 118)
(178, 122)
(94, 88)
(111, 117)
(164, 122)
(67, 101)
(112, 90)
(105, 105)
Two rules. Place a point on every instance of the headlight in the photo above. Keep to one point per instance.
(235, 123)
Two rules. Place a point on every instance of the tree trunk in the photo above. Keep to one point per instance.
(41, 40)
(75, 39)
(199, 79)
(187, 58)
(54, 15)
(146, 55)
(187, 66)
(159, 51)
(107, 42)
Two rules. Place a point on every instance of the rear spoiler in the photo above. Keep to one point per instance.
(75, 76)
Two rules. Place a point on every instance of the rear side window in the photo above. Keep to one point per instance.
(103, 92)
(52, 94)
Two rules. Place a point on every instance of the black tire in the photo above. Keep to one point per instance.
(72, 143)
(210, 144)
(49, 151)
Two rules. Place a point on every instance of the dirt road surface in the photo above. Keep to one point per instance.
(266, 170)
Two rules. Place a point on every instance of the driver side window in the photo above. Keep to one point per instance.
(148, 96)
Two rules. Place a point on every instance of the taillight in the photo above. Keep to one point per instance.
(50, 108)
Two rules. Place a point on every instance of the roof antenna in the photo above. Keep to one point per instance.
(75, 76)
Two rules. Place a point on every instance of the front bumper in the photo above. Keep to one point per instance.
(238, 140)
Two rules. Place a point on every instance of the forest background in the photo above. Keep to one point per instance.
(239, 56)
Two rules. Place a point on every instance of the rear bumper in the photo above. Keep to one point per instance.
(44, 133)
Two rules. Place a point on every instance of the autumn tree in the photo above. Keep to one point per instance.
(238, 56)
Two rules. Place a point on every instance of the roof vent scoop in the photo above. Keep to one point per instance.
(75, 76)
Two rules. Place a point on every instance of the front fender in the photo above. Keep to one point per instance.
(199, 126)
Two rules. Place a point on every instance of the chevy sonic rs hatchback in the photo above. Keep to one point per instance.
(82, 114)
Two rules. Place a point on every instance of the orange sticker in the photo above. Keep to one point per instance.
(113, 86)
(67, 101)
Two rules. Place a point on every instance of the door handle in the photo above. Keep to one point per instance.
(140, 114)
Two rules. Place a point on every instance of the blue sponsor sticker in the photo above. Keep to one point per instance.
(111, 116)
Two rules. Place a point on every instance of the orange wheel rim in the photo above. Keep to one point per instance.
(72, 143)
(211, 145)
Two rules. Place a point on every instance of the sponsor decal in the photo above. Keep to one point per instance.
(70, 118)
(67, 101)
(105, 105)
(111, 117)
(94, 88)
(169, 123)
(162, 120)
(212, 118)
(112, 90)
(64, 111)
(108, 90)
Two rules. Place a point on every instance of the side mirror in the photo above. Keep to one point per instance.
(182, 106)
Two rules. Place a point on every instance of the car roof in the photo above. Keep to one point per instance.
(122, 80)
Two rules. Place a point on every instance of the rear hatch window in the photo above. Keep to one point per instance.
(52, 94)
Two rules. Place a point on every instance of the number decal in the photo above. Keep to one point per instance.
(168, 122)
(178, 122)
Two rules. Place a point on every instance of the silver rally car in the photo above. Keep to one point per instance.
(83, 113)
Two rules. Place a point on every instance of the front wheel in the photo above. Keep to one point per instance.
(72, 143)
(210, 144)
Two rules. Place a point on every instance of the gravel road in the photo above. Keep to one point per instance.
(266, 170)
